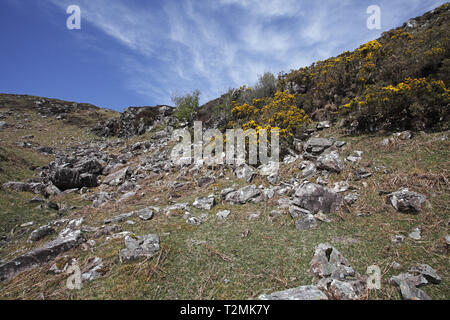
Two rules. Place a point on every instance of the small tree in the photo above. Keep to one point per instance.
(186, 106)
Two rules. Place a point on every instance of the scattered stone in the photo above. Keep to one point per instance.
(273, 179)
(397, 239)
(316, 198)
(342, 290)
(226, 191)
(408, 283)
(405, 135)
(177, 209)
(118, 177)
(120, 218)
(328, 262)
(323, 125)
(205, 203)
(351, 198)
(415, 234)
(145, 214)
(316, 146)
(139, 247)
(330, 161)
(40, 233)
(27, 224)
(299, 293)
(340, 187)
(245, 172)
(322, 217)
(297, 212)
(253, 216)
(426, 271)
(407, 201)
(306, 223)
(194, 221)
(243, 195)
(308, 169)
(206, 181)
(361, 173)
(223, 214)
(95, 269)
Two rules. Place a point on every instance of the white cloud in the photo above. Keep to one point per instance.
(182, 45)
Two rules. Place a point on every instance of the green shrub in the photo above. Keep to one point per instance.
(186, 106)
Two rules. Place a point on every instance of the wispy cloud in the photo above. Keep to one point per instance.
(181, 45)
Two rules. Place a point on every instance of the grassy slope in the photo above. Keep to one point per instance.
(16, 163)
(213, 261)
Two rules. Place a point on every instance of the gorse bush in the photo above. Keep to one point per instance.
(186, 106)
(412, 104)
(277, 112)
(419, 49)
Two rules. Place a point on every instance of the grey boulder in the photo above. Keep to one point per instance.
(299, 293)
(315, 198)
(407, 201)
(139, 247)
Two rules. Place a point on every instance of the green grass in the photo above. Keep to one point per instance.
(213, 261)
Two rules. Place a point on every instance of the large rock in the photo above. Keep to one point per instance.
(134, 121)
(331, 161)
(299, 293)
(342, 290)
(145, 214)
(243, 195)
(118, 177)
(426, 271)
(306, 223)
(244, 172)
(328, 262)
(67, 178)
(139, 247)
(315, 198)
(42, 255)
(205, 203)
(408, 283)
(407, 201)
(92, 166)
(316, 146)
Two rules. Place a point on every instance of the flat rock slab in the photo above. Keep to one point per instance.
(205, 203)
(120, 218)
(243, 195)
(137, 248)
(46, 253)
(299, 293)
(315, 198)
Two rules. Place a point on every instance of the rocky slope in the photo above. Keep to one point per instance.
(93, 190)
(139, 226)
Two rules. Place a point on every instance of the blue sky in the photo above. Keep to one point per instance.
(136, 53)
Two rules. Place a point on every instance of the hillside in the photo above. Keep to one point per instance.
(95, 189)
